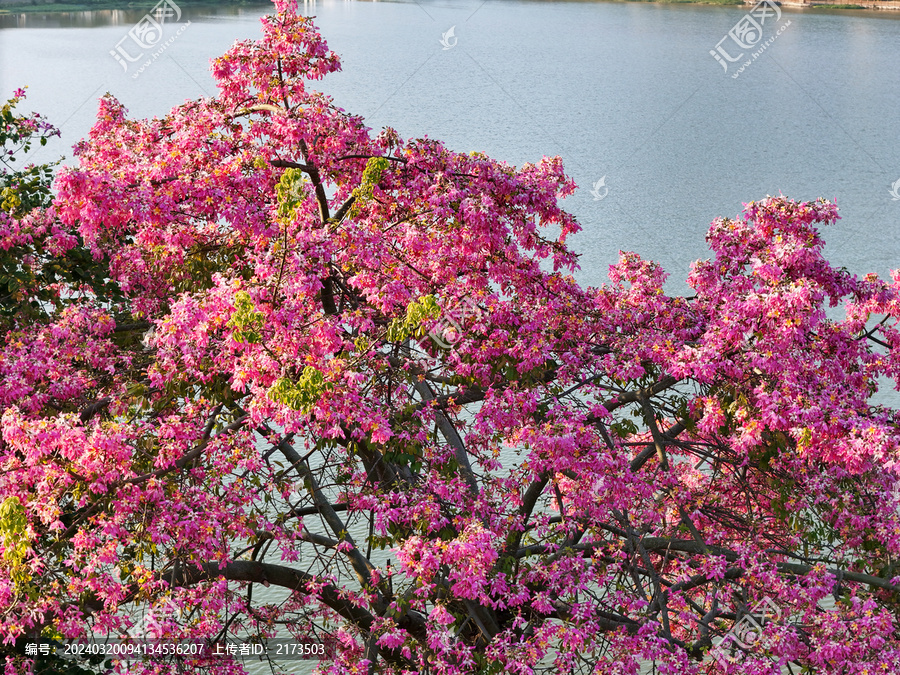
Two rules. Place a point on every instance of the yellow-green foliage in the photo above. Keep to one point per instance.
(375, 167)
(246, 319)
(290, 191)
(14, 535)
(9, 200)
(413, 325)
(303, 394)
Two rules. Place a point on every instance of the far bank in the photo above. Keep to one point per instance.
(65, 6)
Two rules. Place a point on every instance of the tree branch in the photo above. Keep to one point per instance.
(650, 449)
(361, 566)
(452, 435)
(287, 164)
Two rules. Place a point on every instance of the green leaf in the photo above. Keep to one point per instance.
(302, 395)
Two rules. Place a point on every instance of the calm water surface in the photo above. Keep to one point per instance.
(627, 93)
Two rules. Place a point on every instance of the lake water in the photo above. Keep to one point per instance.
(627, 93)
(624, 92)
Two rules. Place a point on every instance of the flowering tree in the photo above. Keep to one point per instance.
(35, 253)
(357, 369)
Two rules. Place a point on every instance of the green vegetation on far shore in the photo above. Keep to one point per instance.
(743, 2)
(691, 2)
(88, 5)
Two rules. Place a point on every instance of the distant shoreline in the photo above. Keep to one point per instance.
(886, 5)
(44, 7)
(8, 7)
